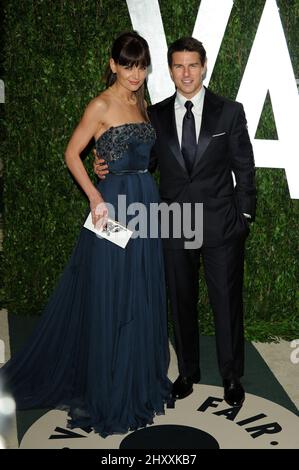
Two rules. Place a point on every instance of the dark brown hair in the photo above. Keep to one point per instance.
(187, 44)
(130, 49)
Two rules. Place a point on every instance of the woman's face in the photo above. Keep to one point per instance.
(129, 77)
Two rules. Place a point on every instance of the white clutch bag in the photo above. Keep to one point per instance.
(113, 232)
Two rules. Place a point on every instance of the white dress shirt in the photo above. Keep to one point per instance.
(180, 111)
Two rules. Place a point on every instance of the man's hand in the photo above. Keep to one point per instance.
(100, 167)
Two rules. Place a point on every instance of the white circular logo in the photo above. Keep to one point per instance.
(202, 420)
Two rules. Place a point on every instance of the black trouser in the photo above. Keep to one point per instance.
(223, 268)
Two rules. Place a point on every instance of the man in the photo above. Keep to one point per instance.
(201, 139)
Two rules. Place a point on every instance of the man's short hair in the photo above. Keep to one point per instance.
(187, 44)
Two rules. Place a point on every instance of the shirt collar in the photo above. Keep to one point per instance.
(196, 100)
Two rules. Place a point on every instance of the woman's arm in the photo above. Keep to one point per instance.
(82, 135)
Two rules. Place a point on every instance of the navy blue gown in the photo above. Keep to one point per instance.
(100, 350)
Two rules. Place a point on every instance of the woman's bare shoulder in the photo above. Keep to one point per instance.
(100, 103)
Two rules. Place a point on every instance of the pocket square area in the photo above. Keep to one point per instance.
(218, 135)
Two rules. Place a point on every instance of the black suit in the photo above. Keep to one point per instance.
(223, 147)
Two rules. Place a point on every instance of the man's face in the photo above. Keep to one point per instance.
(186, 71)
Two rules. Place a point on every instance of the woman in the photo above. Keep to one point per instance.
(100, 350)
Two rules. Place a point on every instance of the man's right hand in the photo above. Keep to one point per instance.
(100, 167)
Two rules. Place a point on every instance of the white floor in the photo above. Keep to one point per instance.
(282, 358)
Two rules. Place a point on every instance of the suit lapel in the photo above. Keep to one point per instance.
(211, 112)
(170, 134)
(212, 107)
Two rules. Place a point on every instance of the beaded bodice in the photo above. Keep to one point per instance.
(126, 147)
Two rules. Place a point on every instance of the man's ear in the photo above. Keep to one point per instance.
(204, 72)
(170, 73)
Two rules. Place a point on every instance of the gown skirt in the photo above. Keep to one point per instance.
(100, 350)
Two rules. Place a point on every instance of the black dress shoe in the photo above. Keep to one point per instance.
(234, 393)
(182, 387)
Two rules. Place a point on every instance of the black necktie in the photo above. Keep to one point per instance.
(189, 137)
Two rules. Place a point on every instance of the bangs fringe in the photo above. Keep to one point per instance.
(134, 54)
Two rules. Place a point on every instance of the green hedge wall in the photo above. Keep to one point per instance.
(54, 54)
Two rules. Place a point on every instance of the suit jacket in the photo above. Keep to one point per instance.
(223, 147)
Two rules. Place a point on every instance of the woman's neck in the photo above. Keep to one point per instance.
(124, 95)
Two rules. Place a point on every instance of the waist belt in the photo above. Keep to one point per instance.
(127, 172)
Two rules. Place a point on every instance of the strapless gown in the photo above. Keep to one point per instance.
(100, 350)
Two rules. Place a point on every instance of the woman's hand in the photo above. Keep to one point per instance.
(100, 167)
(99, 211)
